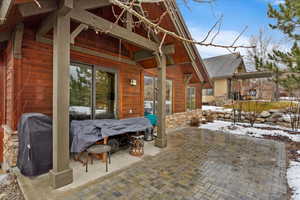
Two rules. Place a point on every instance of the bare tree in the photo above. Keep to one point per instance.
(293, 112)
(263, 47)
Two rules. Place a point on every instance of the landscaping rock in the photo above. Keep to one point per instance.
(274, 111)
(227, 116)
(265, 114)
(276, 115)
(260, 120)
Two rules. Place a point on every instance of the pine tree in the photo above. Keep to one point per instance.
(287, 18)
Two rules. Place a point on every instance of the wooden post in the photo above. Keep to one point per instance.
(61, 174)
(161, 140)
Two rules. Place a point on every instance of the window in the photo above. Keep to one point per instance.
(191, 98)
(208, 92)
(151, 95)
(92, 92)
(80, 92)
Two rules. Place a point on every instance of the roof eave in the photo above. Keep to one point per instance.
(184, 26)
(5, 8)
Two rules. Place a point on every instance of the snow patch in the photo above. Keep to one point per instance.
(216, 109)
(255, 131)
(293, 176)
(293, 172)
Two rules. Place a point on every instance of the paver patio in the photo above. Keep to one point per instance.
(198, 164)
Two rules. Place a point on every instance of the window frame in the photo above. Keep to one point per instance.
(154, 80)
(188, 99)
(94, 68)
(206, 93)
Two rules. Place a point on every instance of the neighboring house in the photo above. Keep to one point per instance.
(99, 75)
(221, 70)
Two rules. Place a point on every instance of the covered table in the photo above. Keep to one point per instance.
(87, 132)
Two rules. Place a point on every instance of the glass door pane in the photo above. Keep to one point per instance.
(169, 96)
(80, 92)
(149, 94)
(191, 98)
(104, 94)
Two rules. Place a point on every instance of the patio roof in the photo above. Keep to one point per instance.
(250, 75)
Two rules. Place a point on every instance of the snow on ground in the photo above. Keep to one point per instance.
(293, 175)
(293, 172)
(255, 131)
(216, 108)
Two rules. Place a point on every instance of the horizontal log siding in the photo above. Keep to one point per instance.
(35, 86)
(175, 74)
(198, 87)
(33, 77)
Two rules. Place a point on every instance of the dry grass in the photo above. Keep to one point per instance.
(260, 106)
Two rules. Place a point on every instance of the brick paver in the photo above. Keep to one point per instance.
(199, 164)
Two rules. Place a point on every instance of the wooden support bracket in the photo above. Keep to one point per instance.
(17, 42)
(77, 31)
(187, 78)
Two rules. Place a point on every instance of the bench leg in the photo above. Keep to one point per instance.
(106, 164)
(109, 157)
(86, 163)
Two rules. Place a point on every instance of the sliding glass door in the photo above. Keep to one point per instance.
(80, 92)
(92, 92)
(104, 94)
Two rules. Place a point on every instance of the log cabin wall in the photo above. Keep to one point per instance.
(29, 79)
(198, 87)
(175, 74)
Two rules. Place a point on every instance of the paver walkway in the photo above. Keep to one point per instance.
(199, 164)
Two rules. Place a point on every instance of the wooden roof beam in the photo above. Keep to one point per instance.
(77, 31)
(91, 4)
(115, 30)
(145, 55)
(5, 7)
(29, 9)
(65, 7)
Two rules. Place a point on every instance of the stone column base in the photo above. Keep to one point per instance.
(161, 142)
(60, 179)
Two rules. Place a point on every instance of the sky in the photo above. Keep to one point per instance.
(237, 14)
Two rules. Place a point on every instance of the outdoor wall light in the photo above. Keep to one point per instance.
(133, 82)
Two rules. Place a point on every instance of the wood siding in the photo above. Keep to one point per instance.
(176, 74)
(2, 104)
(29, 80)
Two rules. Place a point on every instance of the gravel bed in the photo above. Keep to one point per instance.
(9, 189)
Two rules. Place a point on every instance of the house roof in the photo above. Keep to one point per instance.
(223, 66)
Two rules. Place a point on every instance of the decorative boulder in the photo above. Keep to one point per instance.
(260, 120)
(265, 114)
(274, 111)
(276, 115)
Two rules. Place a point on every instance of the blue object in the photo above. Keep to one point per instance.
(152, 118)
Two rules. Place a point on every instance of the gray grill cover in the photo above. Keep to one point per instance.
(86, 133)
(35, 144)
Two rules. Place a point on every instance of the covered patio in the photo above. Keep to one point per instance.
(53, 36)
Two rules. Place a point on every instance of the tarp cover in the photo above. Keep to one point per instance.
(86, 133)
(35, 144)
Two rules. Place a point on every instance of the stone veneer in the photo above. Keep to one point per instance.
(182, 119)
(10, 148)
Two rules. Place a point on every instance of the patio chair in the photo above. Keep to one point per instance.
(98, 149)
